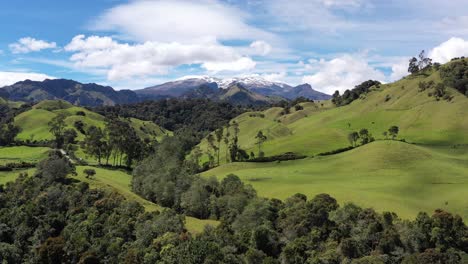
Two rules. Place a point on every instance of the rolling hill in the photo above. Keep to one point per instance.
(428, 172)
(34, 123)
(321, 127)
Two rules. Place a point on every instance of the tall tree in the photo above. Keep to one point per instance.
(260, 139)
(219, 138)
(57, 127)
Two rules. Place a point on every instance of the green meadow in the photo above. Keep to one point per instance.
(22, 153)
(386, 175)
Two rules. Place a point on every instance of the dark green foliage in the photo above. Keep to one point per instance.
(56, 127)
(393, 131)
(351, 95)
(455, 74)
(89, 173)
(198, 116)
(416, 65)
(8, 133)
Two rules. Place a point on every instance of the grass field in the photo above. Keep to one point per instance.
(22, 153)
(10, 176)
(320, 128)
(120, 182)
(385, 175)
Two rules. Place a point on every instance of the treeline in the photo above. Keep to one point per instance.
(455, 74)
(117, 143)
(49, 218)
(8, 130)
(192, 116)
(353, 94)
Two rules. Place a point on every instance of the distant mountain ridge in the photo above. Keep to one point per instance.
(90, 94)
(237, 91)
(180, 88)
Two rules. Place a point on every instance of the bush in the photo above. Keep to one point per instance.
(336, 151)
(281, 157)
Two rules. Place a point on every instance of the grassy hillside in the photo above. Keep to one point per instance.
(34, 123)
(386, 175)
(320, 127)
(22, 153)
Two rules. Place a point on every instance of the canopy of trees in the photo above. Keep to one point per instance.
(351, 95)
(48, 218)
(455, 74)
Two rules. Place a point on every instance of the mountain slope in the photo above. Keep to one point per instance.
(71, 91)
(321, 127)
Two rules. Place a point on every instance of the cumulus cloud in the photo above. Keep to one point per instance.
(261, 47)
(341, 73)
(454, 47)
(28, 44)
(8, 78)
(123, 60)
(178, 20)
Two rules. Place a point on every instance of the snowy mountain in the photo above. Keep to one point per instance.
(190, 86)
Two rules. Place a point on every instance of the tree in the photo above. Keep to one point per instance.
(56, 127)
(385, 134)
(93, 143)
(8, 132)
(260, 139)
(89, 173)
(219, 138)
(69, 136)
(353, 138)
(393, 131)
(413, 65)
(364, 135)
(424, 61)
(211, 144)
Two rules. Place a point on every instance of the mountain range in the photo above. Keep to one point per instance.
(258, 85)
(238, 91)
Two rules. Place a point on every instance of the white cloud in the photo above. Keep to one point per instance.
(454, 47)
(8, 78)
(261, 47)
(122, 60)
(178, 20)
(242, 64)
(28, 44)
(342, 73)
(399, 70)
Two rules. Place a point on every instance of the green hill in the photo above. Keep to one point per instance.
(34, 123)
(321, 127)
(387, 175)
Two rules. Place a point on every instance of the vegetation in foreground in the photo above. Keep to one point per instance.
(50, 218)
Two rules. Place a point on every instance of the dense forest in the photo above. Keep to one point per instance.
(50, 218)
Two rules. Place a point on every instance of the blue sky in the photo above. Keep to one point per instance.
(330, 44)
